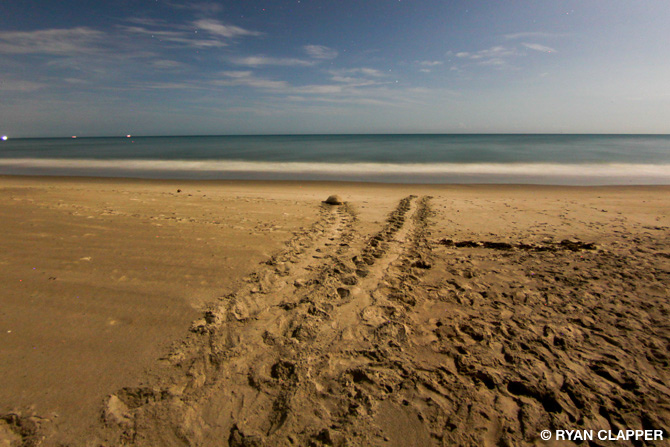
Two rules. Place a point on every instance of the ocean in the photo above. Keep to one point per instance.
(525, 159)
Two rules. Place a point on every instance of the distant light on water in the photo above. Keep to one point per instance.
(74, 136)
(4, 138)
(128, 136)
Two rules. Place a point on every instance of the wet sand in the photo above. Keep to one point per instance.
(249, 313)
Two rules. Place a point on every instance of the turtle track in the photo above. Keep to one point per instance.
(193, 366)
(329, 336)
(245, 368)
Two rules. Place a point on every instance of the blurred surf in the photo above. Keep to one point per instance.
(550, 159)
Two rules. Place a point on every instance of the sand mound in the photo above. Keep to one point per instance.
(334, 200)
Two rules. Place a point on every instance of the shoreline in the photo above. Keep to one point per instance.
(316, 183)
(581, 174)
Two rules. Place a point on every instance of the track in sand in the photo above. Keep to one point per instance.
(283, 361)
(400, 339)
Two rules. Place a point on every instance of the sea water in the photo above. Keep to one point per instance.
(532, 158)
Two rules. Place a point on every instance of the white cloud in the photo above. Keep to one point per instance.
(371, 72)
(345, 79)
(493, 52)
(178, 37)
(318, 89)
(428, 65)
(51, 41)
(237, 74)
(354, 82)
(247, 78)
(362, 71)
(203, 33)
(494, 56)
(229, 79)
(258, 61)
(170, 36)
(351, 81)
(344, 86)
(219, 29)
(320, 52)
(538, 47)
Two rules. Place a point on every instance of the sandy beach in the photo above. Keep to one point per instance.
(213, 313)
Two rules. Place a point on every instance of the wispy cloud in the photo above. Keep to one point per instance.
(342, 88)
(354, 82)
(203, 33)
(538, 47)
(360, 71)
(224, 79)
(320, 52)
(51, 41)
(258, 61)
(248, 79)
(430, 63)
(493, 52)
(176, 37)
(217, 28)
(166, 64)
(237, 74)
(494, 56)
(427, 66)
(319, 89)
(371, 95)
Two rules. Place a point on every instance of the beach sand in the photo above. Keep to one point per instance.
(138, 312)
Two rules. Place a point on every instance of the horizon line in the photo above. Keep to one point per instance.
(334, 134)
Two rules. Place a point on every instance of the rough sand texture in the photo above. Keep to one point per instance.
(449, 316)
(99, 277)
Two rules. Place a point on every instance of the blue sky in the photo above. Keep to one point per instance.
(158, 67)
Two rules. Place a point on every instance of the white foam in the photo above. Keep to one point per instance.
(588, 173)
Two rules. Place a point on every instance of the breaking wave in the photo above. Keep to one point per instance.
(539, 173)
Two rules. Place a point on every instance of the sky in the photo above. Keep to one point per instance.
(156, 67)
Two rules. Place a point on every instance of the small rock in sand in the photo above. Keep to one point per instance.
(334, 200)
